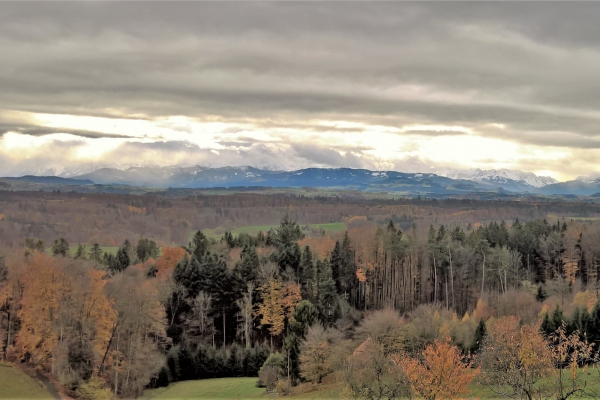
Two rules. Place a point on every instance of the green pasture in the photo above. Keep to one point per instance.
(14, 384)
(245, 388)
(213, 389)
(233, 388)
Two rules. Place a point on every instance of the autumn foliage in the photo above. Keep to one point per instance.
(440, 373)
(168, 260)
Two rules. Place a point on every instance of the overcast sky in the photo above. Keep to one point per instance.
(394, 86)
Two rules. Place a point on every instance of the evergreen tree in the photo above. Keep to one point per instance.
(146, 249)
(246, 269)
(478, 337)
(121, 261)
(307, 274)
(541, 293)
(304, 316)
(327, 300)
(288, 253)
(80, 251)
(336, 265)
(60, 248)
(96, 253)
(199, 246)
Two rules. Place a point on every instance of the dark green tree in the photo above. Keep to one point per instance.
(246, 269)
(199, 246)
(96, 253)
(60, 248)
(146, 249)
(478, 337)
(304, 316)
(80, 252)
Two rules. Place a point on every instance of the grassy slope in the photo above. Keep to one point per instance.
(14, 384)
(213, 389)
(232, 388)
(244, 388)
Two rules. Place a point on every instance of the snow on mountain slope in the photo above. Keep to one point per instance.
(499, 176)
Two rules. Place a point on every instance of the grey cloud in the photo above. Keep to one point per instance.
(35, 130)
(327, 157)
(435, 133)
(530, 66)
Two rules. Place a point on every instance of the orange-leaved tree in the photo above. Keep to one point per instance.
(516, 360)
(291, 297)
(169, 259)
(44, 286)
(271, 309)
(440, 373)
(569, 353)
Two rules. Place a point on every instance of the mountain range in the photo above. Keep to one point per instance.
(444, 182)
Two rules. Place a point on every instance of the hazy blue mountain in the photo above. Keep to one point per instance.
(343, 178)
(454, 182)
(580, 187)
(50, 180)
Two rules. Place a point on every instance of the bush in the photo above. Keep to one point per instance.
(271, 371)
(94, 389)
(268, 377)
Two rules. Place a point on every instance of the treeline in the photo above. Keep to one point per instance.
(169, 218)
(291, 309)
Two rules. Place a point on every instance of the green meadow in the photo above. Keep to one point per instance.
(14, 384)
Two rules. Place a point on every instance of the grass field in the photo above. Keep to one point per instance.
(232, 388)
(14, 384)
(212, 389)
(254, 229)
(244, 388)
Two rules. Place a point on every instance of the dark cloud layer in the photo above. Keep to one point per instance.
(530, 67)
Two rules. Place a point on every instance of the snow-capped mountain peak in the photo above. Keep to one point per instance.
(499, 176)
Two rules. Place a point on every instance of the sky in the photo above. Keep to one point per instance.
(413, 87)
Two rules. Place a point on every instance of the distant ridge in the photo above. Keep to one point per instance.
(51, 180)
(443, 183)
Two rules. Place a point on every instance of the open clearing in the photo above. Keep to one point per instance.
(14, 384)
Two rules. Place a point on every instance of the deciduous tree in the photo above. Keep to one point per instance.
(441, 372)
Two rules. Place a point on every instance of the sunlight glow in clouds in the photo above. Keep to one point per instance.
(377, 146)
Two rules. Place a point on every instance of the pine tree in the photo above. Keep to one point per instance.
(307, 274)
(246, 269)
(60, 248)
(199, 245)
(478, 337)
(96, 253)
(541, 293)
(80, 251)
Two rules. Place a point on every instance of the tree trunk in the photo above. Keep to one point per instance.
(8, 334)
(483, 275)
(107, 348)
(447, 292)
(224, 336)
(435, 284)
(117, 368)
(451, 279)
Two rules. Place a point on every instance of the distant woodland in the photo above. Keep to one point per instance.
(416, 298)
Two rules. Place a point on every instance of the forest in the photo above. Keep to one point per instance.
(415, 298)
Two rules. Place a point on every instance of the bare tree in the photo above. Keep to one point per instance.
(246, 312)
(201, 306)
